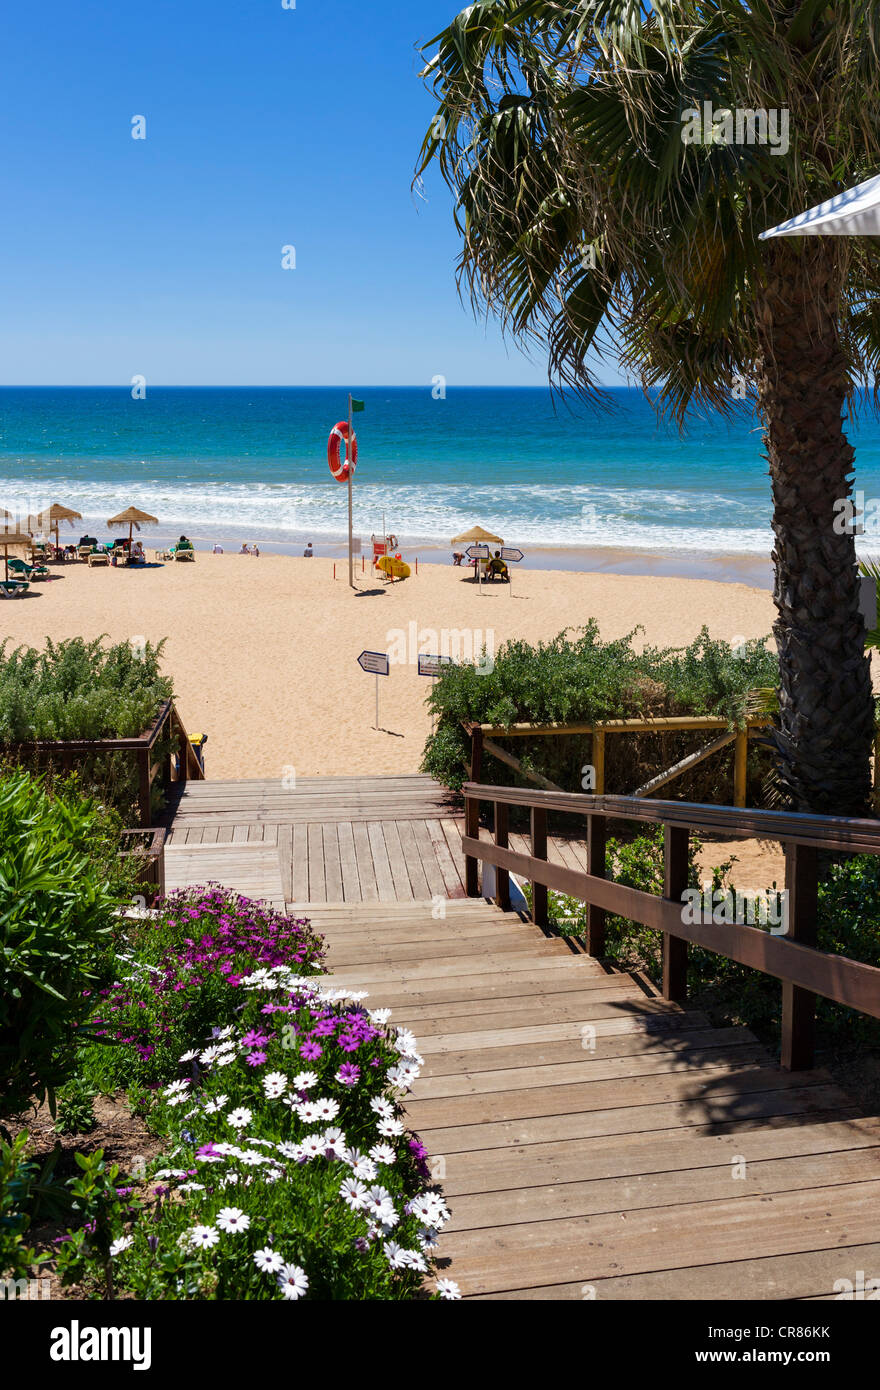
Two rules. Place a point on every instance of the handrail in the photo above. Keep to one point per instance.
(793, 958)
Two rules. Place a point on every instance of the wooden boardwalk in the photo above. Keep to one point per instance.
(592, 1139)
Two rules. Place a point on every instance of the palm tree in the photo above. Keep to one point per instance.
(590, 221)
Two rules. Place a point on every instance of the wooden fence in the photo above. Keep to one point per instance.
(793, 958)
(483, 740)
(67, 752)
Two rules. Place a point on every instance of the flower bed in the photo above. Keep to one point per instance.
(287, 1171)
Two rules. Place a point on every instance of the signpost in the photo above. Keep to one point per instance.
(511, 556)
(478, 553)
(432, 666)
(377, 664)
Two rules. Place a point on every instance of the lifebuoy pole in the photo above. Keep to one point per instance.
(350, 545)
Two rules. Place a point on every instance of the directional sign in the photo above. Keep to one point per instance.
(513, 555)
(374, 662)
(477, 552)
(433, 665)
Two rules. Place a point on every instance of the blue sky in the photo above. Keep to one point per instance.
(265, 127)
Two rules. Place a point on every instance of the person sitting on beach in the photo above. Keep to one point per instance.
(497, 566)
(218, 549)
(137, 556)
(255, 550)
(308, 553)
(245, 548)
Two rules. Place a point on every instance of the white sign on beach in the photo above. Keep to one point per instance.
(375, 664)
(477, 552)
(514, 556)
(432, 665)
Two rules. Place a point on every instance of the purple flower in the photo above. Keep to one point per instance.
(255, 1059)
(311, 1051)
(349, 1074)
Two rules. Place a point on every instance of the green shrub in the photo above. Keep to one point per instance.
(17, 1178)
(578, 678)
(60, 882)
(75, 1107)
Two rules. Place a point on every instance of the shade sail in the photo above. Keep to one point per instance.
(477, 535)
(853, 213)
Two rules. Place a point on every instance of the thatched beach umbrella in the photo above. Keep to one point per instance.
(476, 535)
(134, 520)
(13, 538)
(50, 518)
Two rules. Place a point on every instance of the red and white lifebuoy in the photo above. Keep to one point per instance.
(340, 467)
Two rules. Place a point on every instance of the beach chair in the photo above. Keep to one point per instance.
(26, 571)
(98, 557)
(13, 588)
(184, 552)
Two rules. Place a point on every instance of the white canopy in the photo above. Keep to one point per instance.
(853, 213)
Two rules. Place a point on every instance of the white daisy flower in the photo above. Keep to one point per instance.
(177, 1088)
(189, 1056)
(428, 1238)
(382, 1107)
(394, 1254)
(176, 1100)
(390, 1128)
(304, 1080)
(307, 1112)
(224, 1058)
(191, 1187)
(326, 1108)
(207, 1057)
(293, 1281)
(226, 1032)
(413, 1259)
(268, 1261)
(121, 1244)
(217, 1104)
(379, 1016)
(363, 1167)
(203, 1237)
(382, 1153)
(274, 1085)
(405, 1042)
(353, 1193)
(232, 1220)
(289, 1150)
(311, 1146)
(241, 1118)
(447, 1288)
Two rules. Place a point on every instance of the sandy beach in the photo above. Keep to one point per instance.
(263, 652)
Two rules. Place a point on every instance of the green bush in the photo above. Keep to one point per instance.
(17, 1178)
(578, 678)
(60, 882)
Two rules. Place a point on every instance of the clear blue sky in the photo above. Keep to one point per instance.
(265, 127)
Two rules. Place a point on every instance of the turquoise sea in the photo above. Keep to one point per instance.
(224, 463)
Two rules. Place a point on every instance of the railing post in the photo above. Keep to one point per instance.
(740, 767)
(476, 753)
(599, 760)
(799, 1005)
(144, 797)
(183, 748)
(502, 876)
(675, 881)
(596, 831)
(539, 851)
(472, 829)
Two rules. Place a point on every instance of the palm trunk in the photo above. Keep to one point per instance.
(826, 720)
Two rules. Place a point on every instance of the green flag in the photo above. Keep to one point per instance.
(356, 406)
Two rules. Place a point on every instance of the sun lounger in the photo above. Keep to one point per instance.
(26, 571)
(13, 588)
(184, 552)
(98, 557)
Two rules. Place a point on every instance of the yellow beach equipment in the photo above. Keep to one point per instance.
(393, 567)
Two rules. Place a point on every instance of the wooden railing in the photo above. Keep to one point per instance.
(483, 738)
(147, 848)
(792, 958)
(66, 752)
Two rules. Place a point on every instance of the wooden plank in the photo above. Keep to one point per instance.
(351, 884)
(332, 865)
(381, 864)
(300, 861)
(428, 860)
(317, 881)
(399, 860)
(285, 859)
(366, 868)
(452, 880)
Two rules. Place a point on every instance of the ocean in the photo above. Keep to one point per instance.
(228, 463)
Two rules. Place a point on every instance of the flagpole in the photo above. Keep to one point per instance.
(349, 455)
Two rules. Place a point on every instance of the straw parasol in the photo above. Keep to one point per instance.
(51, 518)
(477, 535)
(134, 520)
(12, 538)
